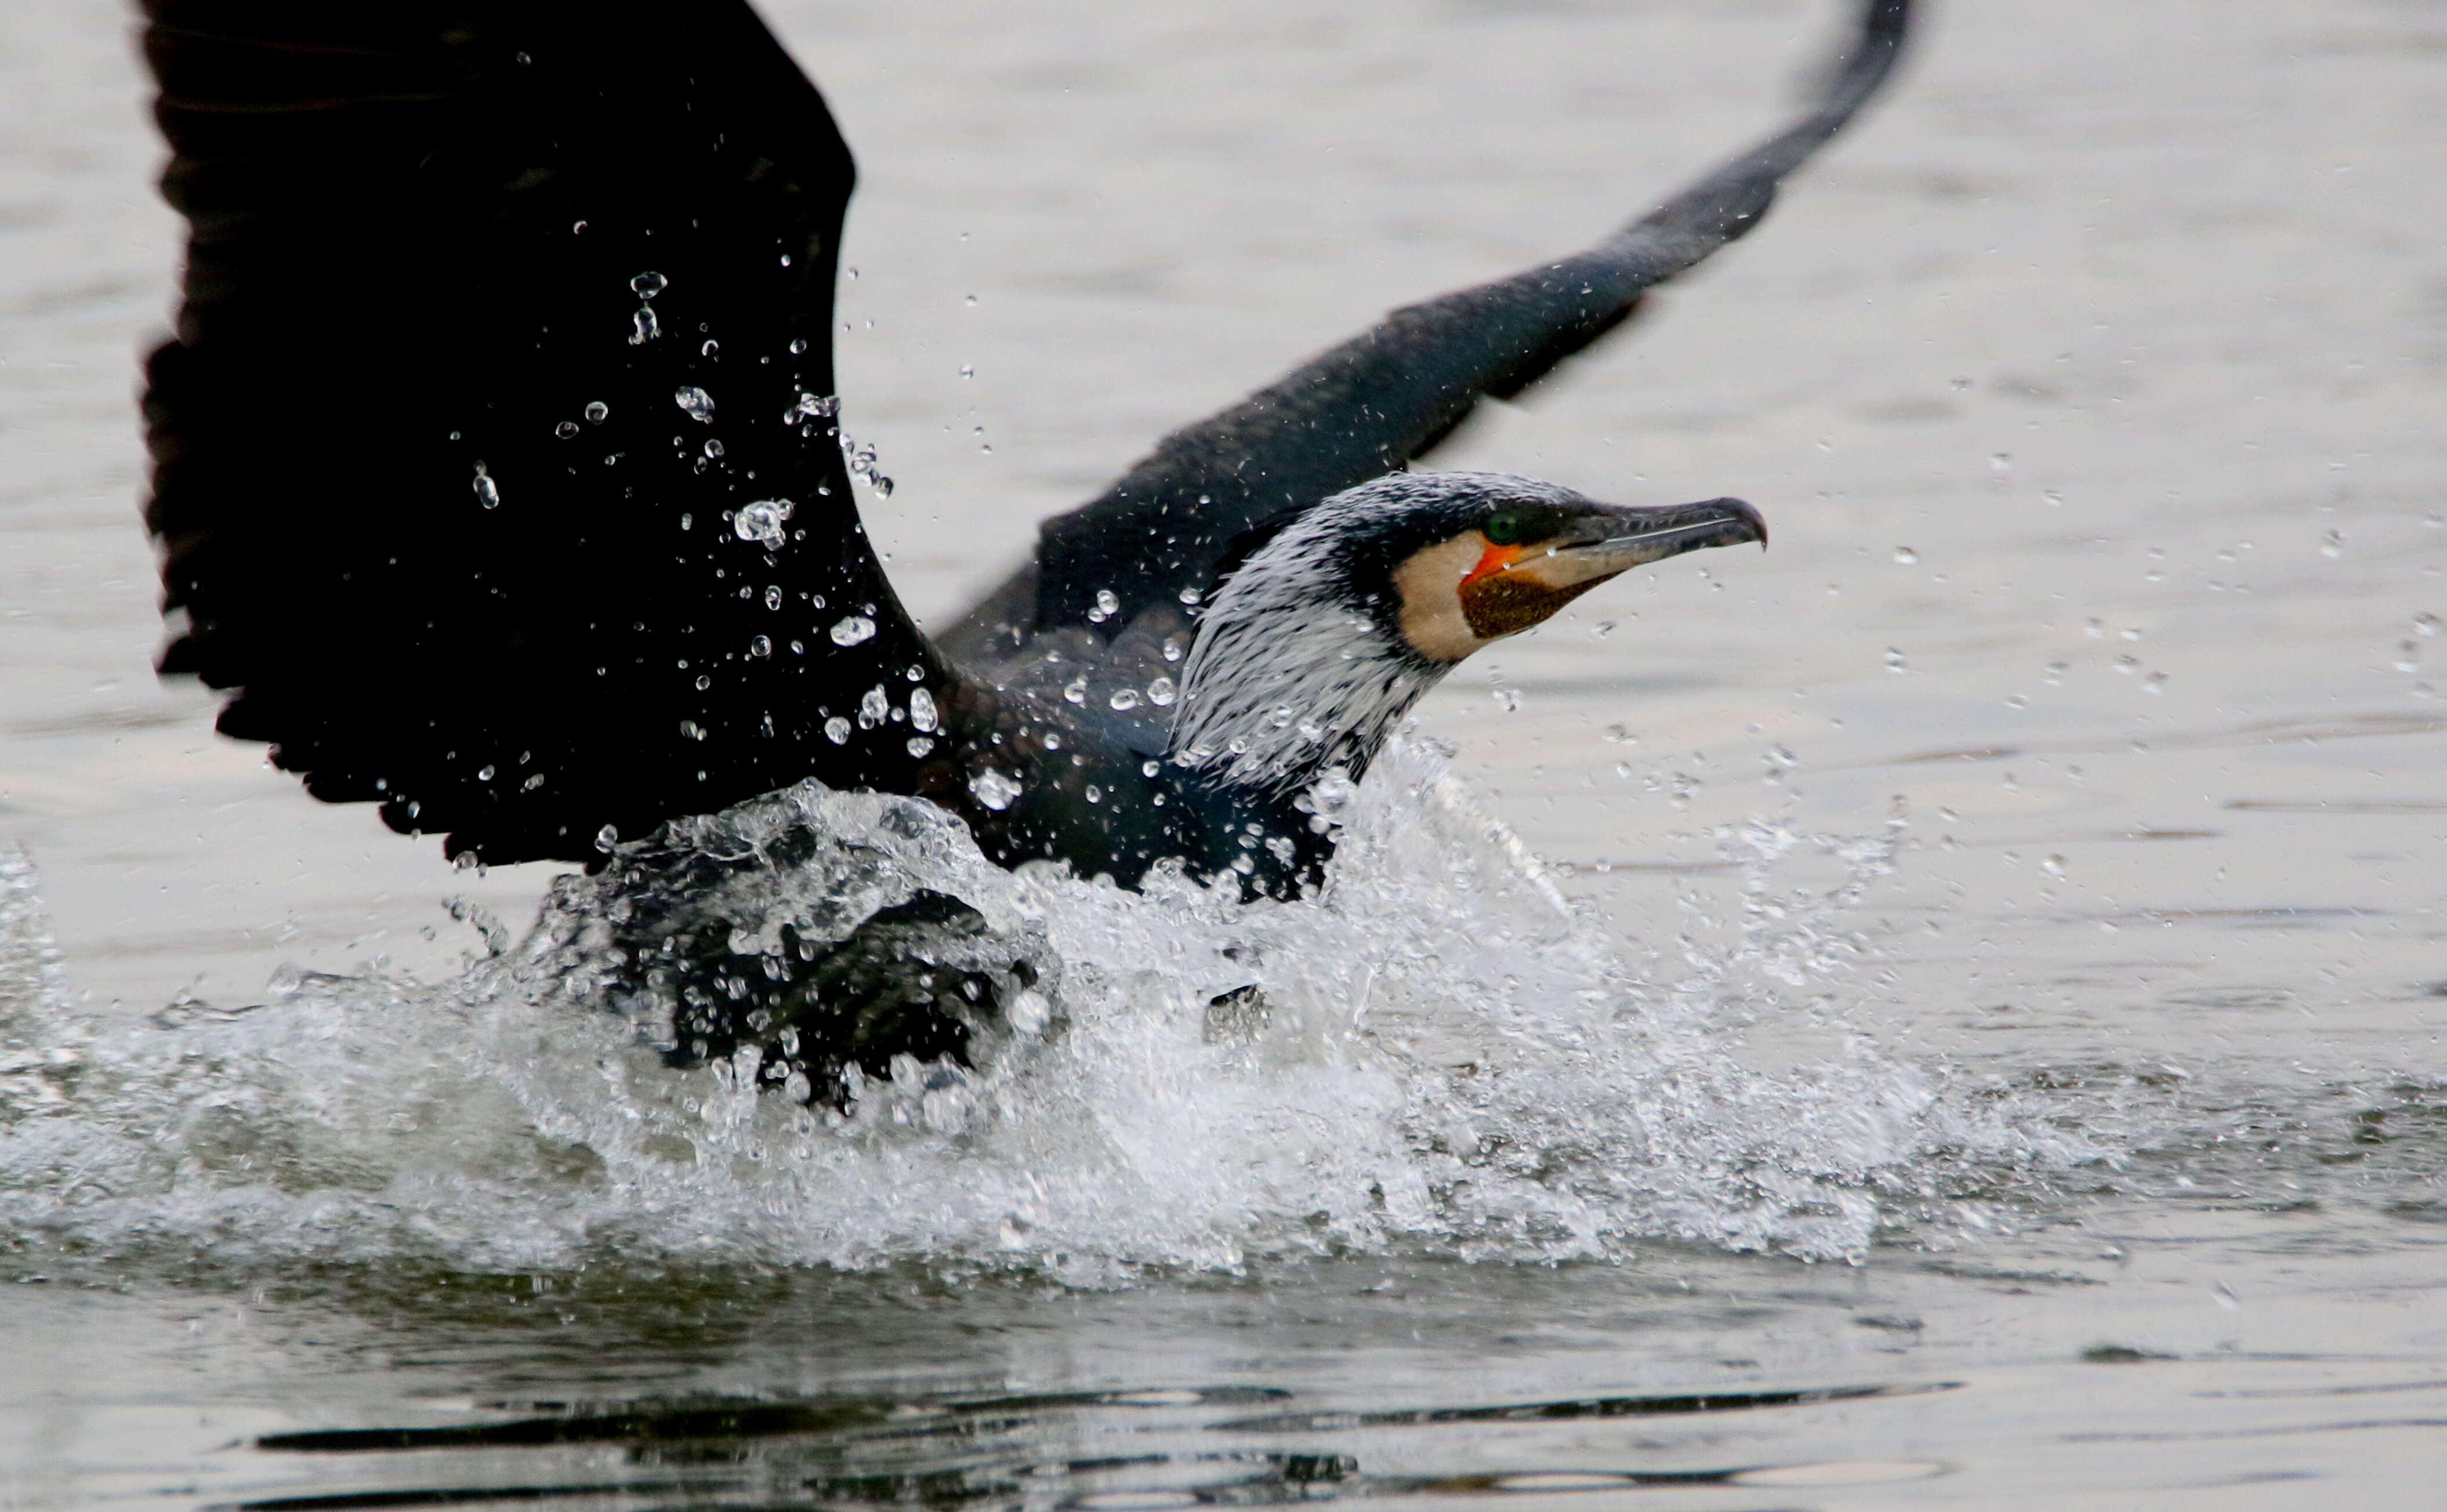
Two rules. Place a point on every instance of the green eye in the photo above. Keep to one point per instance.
(1503, 528)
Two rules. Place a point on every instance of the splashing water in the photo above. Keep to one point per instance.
(1441, 1057)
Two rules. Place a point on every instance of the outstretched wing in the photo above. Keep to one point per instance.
(1369, 405)
(492, 462)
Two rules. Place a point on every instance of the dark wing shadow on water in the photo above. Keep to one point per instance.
(1165, 1450)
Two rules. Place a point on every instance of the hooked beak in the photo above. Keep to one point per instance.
(1515, 587)
(1599, 546)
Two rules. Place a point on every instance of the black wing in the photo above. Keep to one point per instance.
(1390, 394)
(498, 320)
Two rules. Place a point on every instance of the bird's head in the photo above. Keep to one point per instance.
(1461, 559)
(1329, 631)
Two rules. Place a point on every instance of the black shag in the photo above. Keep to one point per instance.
(497, 469)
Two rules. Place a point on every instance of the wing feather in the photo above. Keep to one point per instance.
(496, 317)
(1390, 394)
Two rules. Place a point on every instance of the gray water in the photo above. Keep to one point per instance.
(1944, 1012)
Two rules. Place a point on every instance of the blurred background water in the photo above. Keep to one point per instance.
(2092, 388)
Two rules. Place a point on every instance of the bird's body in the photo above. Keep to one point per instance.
(498, 472)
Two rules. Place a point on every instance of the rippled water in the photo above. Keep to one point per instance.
(1944, 1012)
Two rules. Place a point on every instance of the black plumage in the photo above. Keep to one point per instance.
(423, 240)
(497, 470)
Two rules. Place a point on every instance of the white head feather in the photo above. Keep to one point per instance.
(1290, 674)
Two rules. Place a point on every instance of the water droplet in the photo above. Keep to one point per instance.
(919, 745)
(1095, 794)
(837, 731)
(993, 789)
(647, 285)
(599, 412)
(565, 430)
(2002, 462)
(799, 347)
(713, 448)
(703, 682)
(1175, 647)
(760, 646)
(2333, 545)
(2425, 624)
(1895, 662)
(764, 521)
(578, 228)
(873, 708)
(1076, 692)
(851, 629)
(915, 673)
(1189, 595)
(647, 328)
(713, 349)
(1162, 692)
(1123, 699)
(698, 404)
(608, 836)
(1148, 768)
(485, 773)
(1906, 555)
(1030, 1012)
(773, 598)
(967, 371)
(691, 729)
(2054, 866)
(1108, 601)
(488, 492)
(921, 709)
(971, 301)
(1052, 740)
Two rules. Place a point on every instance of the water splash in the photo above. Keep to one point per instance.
(765, 522)
(1438, 1057)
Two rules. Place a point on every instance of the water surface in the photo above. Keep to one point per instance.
(1989, 1054)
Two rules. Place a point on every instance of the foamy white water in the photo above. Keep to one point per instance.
(1451, 1059)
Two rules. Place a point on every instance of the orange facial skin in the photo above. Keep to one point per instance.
(1498, 601)
(1495, 561)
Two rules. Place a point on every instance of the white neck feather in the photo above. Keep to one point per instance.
(1287, 678)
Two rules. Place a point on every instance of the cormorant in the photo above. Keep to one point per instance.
(497, 469)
